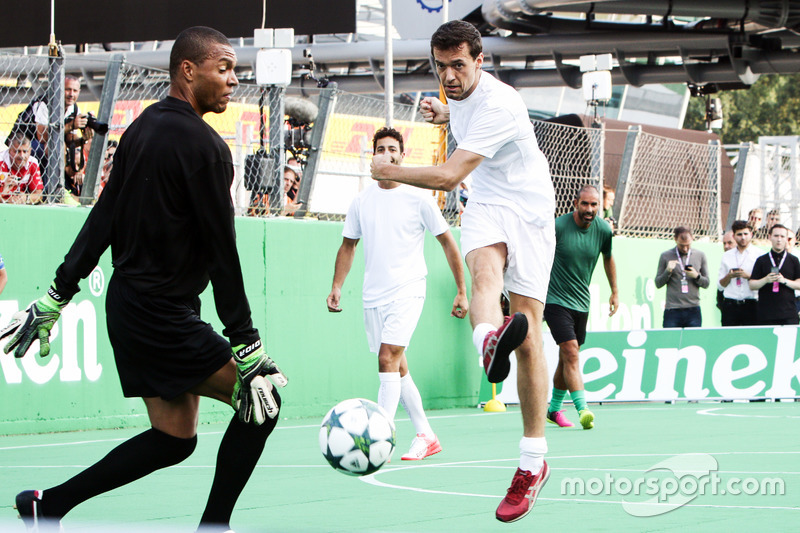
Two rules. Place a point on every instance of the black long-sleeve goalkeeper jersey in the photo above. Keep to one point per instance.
(167, 214)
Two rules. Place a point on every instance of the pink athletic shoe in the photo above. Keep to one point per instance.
(558, 417)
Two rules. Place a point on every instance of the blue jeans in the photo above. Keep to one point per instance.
(688, 317)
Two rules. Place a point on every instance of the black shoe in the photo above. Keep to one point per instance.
(29, 506)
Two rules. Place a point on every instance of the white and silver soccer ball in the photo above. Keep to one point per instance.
(357, 437)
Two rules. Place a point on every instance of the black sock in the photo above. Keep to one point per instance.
(131, 460)
(238, 454)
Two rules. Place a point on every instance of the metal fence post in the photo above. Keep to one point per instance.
(714, 180)
(598, 133)
(625, 172)
(738, 180)
(108, 98)
(327, 102)
(54, 168)
(275, 95)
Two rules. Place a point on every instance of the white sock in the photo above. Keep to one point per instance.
(389, 392)
(412, 403)
(531, 453)
(479, 334)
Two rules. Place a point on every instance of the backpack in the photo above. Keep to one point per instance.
(25, 122)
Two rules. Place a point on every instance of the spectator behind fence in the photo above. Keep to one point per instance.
(292, 173)
(754, 219)
(775, 277)
(727, 244)
(762, 233)
(739, 306)
(608, 207)
(684, 271)
(108, 164)
(20, 176)
(76, 154)
(35, 119)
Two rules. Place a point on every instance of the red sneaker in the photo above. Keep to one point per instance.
(522, 494)
(498, 345)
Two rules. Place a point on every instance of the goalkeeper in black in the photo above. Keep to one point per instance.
(167, 215)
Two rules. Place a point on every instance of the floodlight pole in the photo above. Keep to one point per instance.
(388, 65)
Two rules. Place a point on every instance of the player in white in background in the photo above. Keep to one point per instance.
(392, 219)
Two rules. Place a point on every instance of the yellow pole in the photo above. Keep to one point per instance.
(494, 405)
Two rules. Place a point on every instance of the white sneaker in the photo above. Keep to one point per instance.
(422, 447)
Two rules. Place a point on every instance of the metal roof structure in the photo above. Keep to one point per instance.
(537, 43)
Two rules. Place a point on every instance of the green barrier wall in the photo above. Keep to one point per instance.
(288, 266)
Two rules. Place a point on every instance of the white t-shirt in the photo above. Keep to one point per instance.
(744, 260)
(42, 116)
(493, 122)
(392, 224)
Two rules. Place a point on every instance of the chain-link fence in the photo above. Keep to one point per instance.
(575, 156)
(768, 183)
(314, 159)
(665, 183)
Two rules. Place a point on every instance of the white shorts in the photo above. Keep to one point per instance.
(530, 247)
(393, 323)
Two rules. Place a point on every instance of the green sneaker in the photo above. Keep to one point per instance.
(586, 418)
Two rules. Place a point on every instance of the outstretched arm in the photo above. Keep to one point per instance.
(611, 273)
(444, 177)
(344, 261)
(453, 255)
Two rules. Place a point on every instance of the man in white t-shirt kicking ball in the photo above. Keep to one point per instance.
(507, 231)
(392, 219)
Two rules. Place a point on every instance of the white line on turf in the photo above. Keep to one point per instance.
(712, 412)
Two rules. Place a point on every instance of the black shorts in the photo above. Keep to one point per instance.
(161, 346)
(566, 324)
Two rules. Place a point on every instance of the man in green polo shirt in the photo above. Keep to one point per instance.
(580, 239)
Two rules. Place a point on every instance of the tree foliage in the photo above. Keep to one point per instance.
(770, 107)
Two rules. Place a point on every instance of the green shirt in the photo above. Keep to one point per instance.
(577, 251)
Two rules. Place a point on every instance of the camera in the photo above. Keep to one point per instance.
(96, 125)
(91, 122)
(688, 266)
(297, 136)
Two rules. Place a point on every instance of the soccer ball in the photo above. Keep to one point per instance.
(357, 437)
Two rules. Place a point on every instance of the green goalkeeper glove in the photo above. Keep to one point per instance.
(34, 323)
(252, 394)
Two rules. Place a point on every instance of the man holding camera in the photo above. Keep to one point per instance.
(739, 301)
(684, 271)
(776, 275)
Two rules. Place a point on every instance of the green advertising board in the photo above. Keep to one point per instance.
(288, 267)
